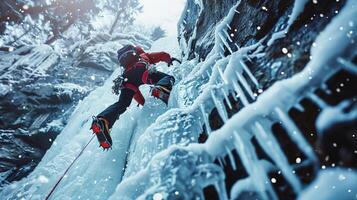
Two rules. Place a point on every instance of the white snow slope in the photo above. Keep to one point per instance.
(162, 161)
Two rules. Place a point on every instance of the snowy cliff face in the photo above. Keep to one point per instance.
(278, 37)
(197, 25)
(39, 89)
(267, 139)
(258, 21)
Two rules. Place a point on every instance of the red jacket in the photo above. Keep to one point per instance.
(155, 57)
(151, 58)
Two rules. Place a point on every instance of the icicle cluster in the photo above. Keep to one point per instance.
(162, 161)
(223, 77)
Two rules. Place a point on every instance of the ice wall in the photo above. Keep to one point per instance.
(162, 162)
(219, 76)
(96, 171)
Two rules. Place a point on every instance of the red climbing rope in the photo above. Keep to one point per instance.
(60, 179)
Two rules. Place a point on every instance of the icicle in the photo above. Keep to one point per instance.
(203, 76)
(228, 36)
(295, 134)
(241, 186)
(234, 95)
(347, 65)
(245, 84)
(231, 158)
(326, 89)
(220, 162)
(299, 107)
(225, 42)
(199, 121)
(224, 161)
(221, 190)
(205, 118)
(222, 76)
(275, 36)
(229, 27)
(220, 108)
(222, 49)
(248, 58)
(246, 152)
(221, 54)
(208, 74)
(298, 8)
(317, 100)
(251, 76)
(239, 91)
(235, 44)
(226, 97)
(268, 142)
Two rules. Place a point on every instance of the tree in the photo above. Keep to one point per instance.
(65, 13)
(124, 10)
(60, 14)
(157, 33)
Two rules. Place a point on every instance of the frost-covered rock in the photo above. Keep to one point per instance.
(257, 21)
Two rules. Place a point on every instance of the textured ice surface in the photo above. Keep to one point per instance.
(160, 164)
(256, 117)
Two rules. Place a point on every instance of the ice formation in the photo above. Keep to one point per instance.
(156, 158)
(41, 58)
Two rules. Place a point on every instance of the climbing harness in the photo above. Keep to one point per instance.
(118, 85)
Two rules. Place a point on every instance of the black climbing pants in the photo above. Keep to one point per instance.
(112, 113)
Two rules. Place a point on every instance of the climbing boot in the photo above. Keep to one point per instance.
(101, 129)
(161, 92)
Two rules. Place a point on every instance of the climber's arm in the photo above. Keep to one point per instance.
(156, 57)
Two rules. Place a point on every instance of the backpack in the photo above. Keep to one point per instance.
(127, 56)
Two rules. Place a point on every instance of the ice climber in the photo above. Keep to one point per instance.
(138, 70)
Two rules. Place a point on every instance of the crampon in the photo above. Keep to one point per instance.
(100, 129)
(161, 93)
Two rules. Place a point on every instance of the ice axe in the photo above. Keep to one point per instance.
(172, 60)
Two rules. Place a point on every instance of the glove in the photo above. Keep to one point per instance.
(172, 60)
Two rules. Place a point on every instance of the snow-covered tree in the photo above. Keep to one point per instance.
(158, 33)
(125, 11)
(27, 17)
